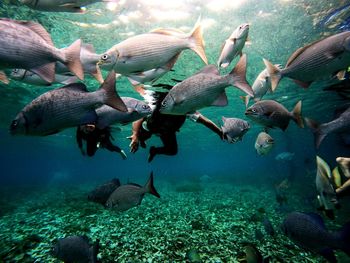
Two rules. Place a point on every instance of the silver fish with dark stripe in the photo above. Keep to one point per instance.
(315, 61)
(206, 88)
(69, 106)
(107, 115)
(27, 45)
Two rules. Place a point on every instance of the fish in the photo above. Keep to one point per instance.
(284, 156)
(268, 226)
(69, 106)
(320, 59)
(344, 164)
(158, 48)
(76, 249)
(205, 88)
(261, 86)
(233, 45)
(308, 231)
(27, 45)
(326, 194)
(102, 192)
(31, 78)
(234, 129)
(320, 131)
(107, 115)
(89, 60)
(334, 17)
(264, 143)
(130, 195)
(271, 114)
(75, 6)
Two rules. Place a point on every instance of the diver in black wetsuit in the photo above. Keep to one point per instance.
(96, 138)
(165, 126)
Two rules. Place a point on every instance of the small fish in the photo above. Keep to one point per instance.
(107, 115)
(233, 45)
(69, 106)
(76, 249)
(27, 45)
(205, 88)
(264, 143)
(309, 232)
(270, 113)
(234, 129)
(261, 86)
(284, 156)
(74, 6)
(268, 226)
(31, 78)
(340, 124)
(320, 59)
(326, 193)
(101, 193)
(130, 195)
(158, 48)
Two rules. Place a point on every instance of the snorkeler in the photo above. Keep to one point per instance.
(96, 138)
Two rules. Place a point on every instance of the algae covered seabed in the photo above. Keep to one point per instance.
(216, 219)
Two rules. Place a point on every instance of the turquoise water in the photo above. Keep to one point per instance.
(45, 180)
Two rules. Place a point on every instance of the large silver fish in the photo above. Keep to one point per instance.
(60, 5)
(264, 143)
(152, 50)
(315, 61)
(233, 45)
(206, 88)
(69, 106)
(340, 124)
(234, 129)
(271, 114)
(107, 115)
(31, 78)
(326, 194)
(130, 195)
(27, 45)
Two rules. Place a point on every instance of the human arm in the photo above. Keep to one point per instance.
(199, 118)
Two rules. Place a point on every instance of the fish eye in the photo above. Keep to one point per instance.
(15, 70)
(144, 107)
(104, 57)
(163, 103)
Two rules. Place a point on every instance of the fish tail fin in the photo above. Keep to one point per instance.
(274, 72)
(72, 59)
(296, 113)
(94, 251)
(237, 77)
(111, 95)
(196, 37)
(245, 99)
(150, 187)
(316, 129)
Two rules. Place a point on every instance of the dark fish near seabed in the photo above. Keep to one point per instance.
(315, 61)
(234, 129)
(130, 195)
(69, 106)
(264, 143)
(31, 78)
(271, 114)
(309, 231)
(27, 45)
(107, 115)
(101, 193)
(205, 88)
(76, 249)
(268, 226)
(326, 194)
(61, 5)
(158, 48)
(340, 124)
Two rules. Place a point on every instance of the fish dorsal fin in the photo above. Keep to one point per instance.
(134, 184)
(88, 47)
(76, 86)
(221, 100)
(38, 29)
(168, 31)
(210, 69)
(299, 51)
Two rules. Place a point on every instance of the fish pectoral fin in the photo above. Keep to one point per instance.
(221, 100)
(3, 78)
(46, 72)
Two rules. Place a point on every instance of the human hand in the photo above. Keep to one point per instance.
(134, 144)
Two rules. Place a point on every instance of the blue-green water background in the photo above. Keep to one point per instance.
(277, 29)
